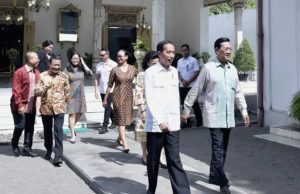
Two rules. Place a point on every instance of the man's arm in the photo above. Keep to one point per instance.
(193, 94)
(241, 103)
(97, 78)
(17, 92)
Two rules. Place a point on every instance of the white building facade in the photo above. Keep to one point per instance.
(281, 26)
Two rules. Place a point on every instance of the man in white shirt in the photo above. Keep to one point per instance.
(163, 120)
(188, 70)
(102, 75)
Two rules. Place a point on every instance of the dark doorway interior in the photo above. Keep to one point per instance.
(120, 38)
(11, 36)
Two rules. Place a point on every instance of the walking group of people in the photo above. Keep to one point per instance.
(41, 88)
(159, 91)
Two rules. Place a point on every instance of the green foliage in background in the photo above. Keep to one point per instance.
(227, 7)
(205, 56)
(295, 106)
(244, 59)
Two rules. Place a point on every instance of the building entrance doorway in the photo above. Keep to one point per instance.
(11, 36)
(120, 38)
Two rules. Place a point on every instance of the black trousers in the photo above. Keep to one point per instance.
(58, 121)
(23, 122)
(219, 143)
(183, 93)
(170, 142)
(108, 110)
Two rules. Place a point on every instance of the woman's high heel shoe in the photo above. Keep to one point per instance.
(119, 141)
(126, 151)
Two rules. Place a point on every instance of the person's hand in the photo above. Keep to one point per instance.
(104, 103)
(97, 95)
(81, 60)
(21, 111)
(184, 118)
(185, 83)
(164, 127)
(143, 115)
(246, 120)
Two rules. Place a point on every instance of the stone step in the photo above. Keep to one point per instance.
(289, 131)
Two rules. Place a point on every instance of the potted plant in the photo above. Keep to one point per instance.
(13, 55)
(140, 48)
(205, 56)
(295, 106)
(244, 60)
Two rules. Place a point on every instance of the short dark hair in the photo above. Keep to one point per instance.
(47, 43)
(161, 44)
(54, 57)
(185, 45)
(104, 49)
(150, 55)
(219, 41)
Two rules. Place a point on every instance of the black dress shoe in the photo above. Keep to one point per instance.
(103, 130)
(29, 153)
(225, 189)
(47, 155)
(163, 165)
(16, 151)
(57, 161)
(144, 162)
(112, 126)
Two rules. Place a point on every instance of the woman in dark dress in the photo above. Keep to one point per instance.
(121, 77)
(44, 55)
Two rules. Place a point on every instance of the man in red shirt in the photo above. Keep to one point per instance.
(23, 104)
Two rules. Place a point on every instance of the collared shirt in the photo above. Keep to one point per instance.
(220, 87)
(187, 67)
(31, 96)
(162, 98)
(104, 70)
(21, 87)
(54, 91)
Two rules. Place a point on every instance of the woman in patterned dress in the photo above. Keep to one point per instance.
(150, 59)
(121, 77)
(76, 101)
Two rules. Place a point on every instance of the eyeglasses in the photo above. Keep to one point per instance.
(102, 55)
(120, 56)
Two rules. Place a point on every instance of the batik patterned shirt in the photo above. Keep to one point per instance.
(54, 91)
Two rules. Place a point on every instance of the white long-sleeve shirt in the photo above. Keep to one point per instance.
(162, 98)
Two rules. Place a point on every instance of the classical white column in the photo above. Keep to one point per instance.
(204, 30)
(158, 22)
(97, 28)
(238, 22)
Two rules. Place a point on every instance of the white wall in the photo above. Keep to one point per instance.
(46, 23)
(282, 72)
(223, 26)
(183, 23)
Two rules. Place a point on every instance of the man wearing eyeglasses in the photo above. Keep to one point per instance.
(102, 75)
(188, 69)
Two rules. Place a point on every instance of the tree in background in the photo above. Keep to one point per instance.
(244, 59)
(227, 7)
